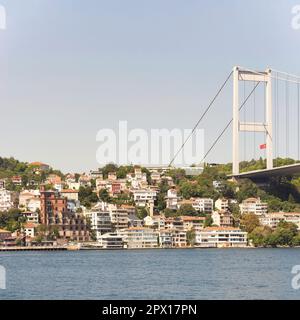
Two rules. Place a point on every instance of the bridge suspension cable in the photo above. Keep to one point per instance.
(201, 118)
(228, 124)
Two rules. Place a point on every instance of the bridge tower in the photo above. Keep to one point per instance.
(256, 76)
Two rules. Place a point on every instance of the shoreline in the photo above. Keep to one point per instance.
(27, 249)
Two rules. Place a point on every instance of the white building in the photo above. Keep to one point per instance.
(222, 218)
(272, 219)
(143, 197)
(31, 217)
(157, 222)
(29, 229)
(222, 204)
(119, 217)
(140, 238)
(220, 237)
(205, 205)
(172, 199)
(106, 218)
(100, 219)
(254, 206)
(111, 241)
(6, 200)
(30, 200)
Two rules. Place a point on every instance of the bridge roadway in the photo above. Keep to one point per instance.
(265, 174)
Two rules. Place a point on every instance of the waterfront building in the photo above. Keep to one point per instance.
(179, 239)
(220, 237)
(165, 238)
(4, 234)
(54, 212)
(29, 229)
(100, 219)
(111, 241)
(119, 217)
(172, 238)
(254, 206)
(140, 238)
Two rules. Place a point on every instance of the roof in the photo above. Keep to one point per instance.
(69, 191)
(30, 225)
(188, 218)
(37, 163)
(4, 231)
(221, 229)
(283, 213)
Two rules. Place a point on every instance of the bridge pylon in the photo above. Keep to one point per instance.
(240, 74)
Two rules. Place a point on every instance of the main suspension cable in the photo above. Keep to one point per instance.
(202, 116)
(228, 124)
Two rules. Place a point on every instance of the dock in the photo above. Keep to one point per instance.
(34, 248)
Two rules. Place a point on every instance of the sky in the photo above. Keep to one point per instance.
(70, 68)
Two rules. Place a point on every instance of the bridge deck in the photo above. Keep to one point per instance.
(287, 170)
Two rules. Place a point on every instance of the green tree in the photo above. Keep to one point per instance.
(249, 222)
(191, 237)
(187, 210)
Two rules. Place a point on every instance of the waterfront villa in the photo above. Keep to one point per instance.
(220, 237)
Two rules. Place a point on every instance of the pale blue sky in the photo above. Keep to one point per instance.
(71, 67)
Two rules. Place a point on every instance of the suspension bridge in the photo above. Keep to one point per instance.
(275, 117)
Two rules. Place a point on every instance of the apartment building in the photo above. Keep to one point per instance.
(119, 217)
(140, 238)
(190, 223)
(222, 218)
(205, 205)
(111, 241)
(143, 197)
(7, 199)
(100, 219)
(272, 219)
(254, 206)
(172, 199)
(220, 237)
(54, 212)
(30, 200)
